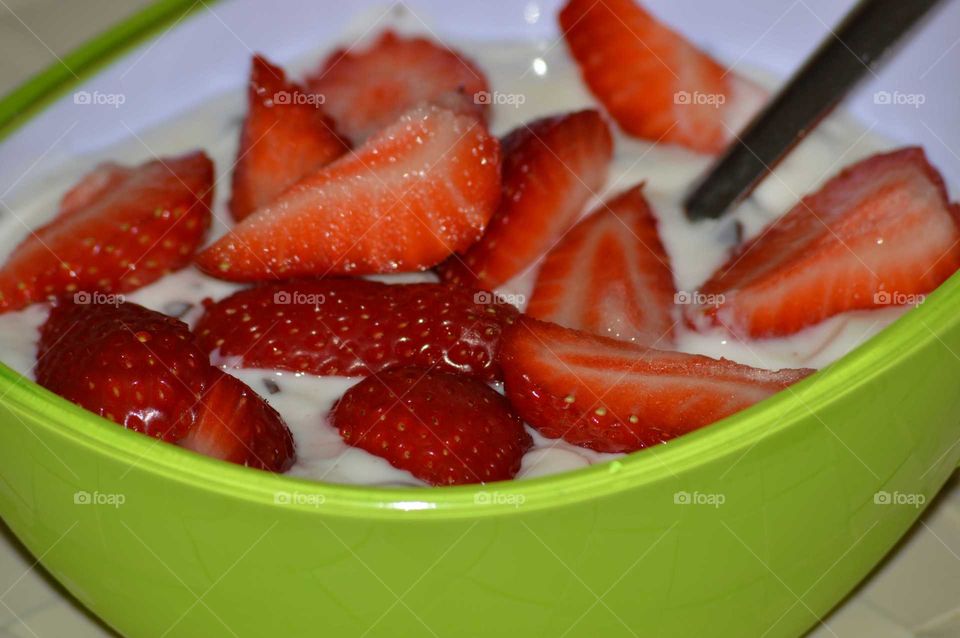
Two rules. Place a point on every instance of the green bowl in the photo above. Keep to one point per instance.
(757, 525)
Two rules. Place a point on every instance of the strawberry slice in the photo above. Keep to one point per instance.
(131, 365)
(443, 429)
(551, 168)
(880, 232)
(234, 424)
(655, 84)
(415, 192)
(614, 396)
(610, 275)
(353, 327)
(119, 229)
(284, 137)
(366, 90)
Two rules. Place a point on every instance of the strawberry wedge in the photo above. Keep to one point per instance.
(881, 232)
(354, 327)
(655, 83)
(610, 276)
(417, 191)
(118, 229)
(551, 167)
(365, 90)
(284, 137)
(613, 396)
(444, 429)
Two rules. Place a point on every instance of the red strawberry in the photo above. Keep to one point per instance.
(368, 90)
(551, 167)
(614, 396)
(354, 327)
(420, 189)
(283, 139)
(610, 276)
(134, 366)
(234, 424)
(655, 83)
(119, 229)
(880, 232)
(443, 429)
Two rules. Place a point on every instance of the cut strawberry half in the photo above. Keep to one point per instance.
(131, 365)
(417, 191)
(119, 229)
(235, 424)
(443, 429)
(613, 396)
(551, 167)
(352, 327)
(284, 137)
(369, 89)
(881, 232)
(610, 276)
(655, 83)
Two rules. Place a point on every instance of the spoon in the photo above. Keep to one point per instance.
(867, 32)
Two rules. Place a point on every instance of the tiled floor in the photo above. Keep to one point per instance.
(916, 593)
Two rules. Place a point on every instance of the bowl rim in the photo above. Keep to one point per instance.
(731, 437)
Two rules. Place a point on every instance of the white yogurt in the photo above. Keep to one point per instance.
(548, 82)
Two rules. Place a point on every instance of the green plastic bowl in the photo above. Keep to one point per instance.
(757, 525)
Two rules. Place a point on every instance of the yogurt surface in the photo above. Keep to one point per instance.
(528, 80)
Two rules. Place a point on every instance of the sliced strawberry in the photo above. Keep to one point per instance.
(234, 424)
(119, 229)
(443, 429)
(654, 82)
(369, 89)
(284, 137)
(551, 167)
(880, 232)
(354, 327)
(610, 275)
(420, 189)
(614, 396)
(131, 365)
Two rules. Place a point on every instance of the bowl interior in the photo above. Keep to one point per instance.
(183, 70)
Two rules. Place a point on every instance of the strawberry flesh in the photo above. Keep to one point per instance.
(443, 429)
(285, 136)
(119, 229)
(614, 396)
(353, 327)
(234, 424)
(656, 84)
(610, 276)
(880, 231)
(366, 90)
(551, 167)
(420, 189)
